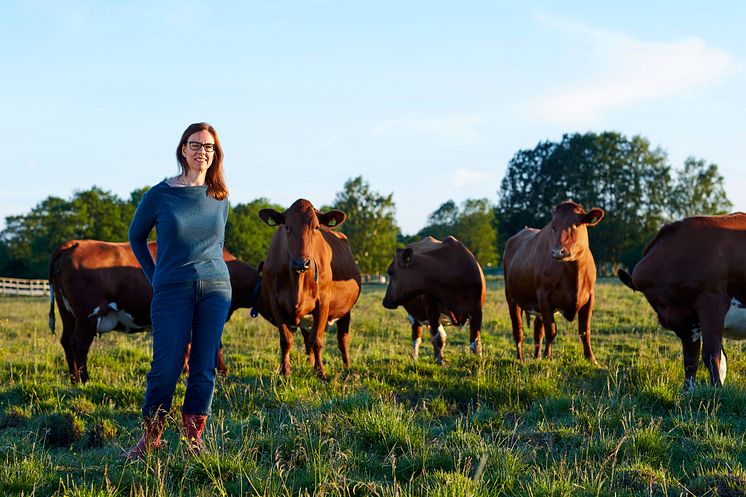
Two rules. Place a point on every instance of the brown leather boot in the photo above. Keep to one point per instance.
(151, 438)
(194, 425)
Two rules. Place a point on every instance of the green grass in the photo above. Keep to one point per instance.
(388, 426)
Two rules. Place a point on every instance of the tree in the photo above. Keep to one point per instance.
(101, 215)
(476, 229)
(246, 236)
(370, 225)
(698, 190)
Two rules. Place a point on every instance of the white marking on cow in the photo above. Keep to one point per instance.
(67, 305)
(474, 345)
(688, 385)
(115, 316)
(734, 324)
(696, 333)
(723, 369)
(440, 335)
(411, 319)
(95, 311)
(416, 348)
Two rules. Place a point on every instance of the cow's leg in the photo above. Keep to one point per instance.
(711, 308)
(343, 338)
(475, 326)
(550, 327)
(691, 344)
(584, 329)
(185, 369)
(320, 318)
(416, 338)
(308, 344)
(80, 343)
(68, 328)
(515, 318)
(286, 343)
(222, 368)
(437, 332)
(538, 336)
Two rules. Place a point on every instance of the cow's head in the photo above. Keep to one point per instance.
(402, 273)
(301, 224)
(569, 234)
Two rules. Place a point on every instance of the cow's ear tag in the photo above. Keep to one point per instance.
(332, 223)
(271, 221)
(593, 220)
(407, 255)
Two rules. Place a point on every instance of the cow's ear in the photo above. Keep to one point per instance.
(271, 217)
(406, 255)
(593, 216)
(332, 218)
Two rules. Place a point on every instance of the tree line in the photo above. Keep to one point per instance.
(632, 181)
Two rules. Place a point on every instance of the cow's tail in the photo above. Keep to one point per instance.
(54, 269)
(51, 307)
(626, 278)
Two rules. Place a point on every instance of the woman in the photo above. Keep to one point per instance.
(191, 285)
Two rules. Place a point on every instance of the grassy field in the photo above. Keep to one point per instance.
(388, 426)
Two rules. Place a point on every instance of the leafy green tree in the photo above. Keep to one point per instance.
(476, 229)
(370, 225)
(698, 190)
(246, 236)
(101, 215)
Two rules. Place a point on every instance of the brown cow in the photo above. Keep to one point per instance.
(309, 270)
(693, 274)
(552, 269)
(431, 278)
(99, 287)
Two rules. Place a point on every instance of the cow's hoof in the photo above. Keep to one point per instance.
(688, 386)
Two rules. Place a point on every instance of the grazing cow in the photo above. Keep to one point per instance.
(99, 287)
(309, 271)
(552, 269)
(431, 278)
(693, 274)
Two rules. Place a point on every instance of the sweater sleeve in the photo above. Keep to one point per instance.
(140, 228)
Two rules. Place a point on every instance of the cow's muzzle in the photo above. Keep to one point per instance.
(300, 265)
(560, 254)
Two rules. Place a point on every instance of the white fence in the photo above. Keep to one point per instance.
(19, 286)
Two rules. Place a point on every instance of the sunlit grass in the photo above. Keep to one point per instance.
(388, 426)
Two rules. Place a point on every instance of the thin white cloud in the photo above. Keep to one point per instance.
(461, 129)
(631, 71)
(464, 177)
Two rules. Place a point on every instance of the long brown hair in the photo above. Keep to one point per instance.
(214, 180)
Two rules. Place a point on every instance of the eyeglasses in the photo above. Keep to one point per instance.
(209, 147)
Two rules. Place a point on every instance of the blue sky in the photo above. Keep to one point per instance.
(427, 100)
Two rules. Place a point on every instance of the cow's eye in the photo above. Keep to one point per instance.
(574, 226)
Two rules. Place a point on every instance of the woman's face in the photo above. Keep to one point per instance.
(199, 160)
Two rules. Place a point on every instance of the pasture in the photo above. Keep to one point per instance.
(388, 426)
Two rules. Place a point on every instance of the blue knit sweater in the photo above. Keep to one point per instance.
(190, 231)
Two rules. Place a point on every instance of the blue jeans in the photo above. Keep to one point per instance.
(182, 312)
